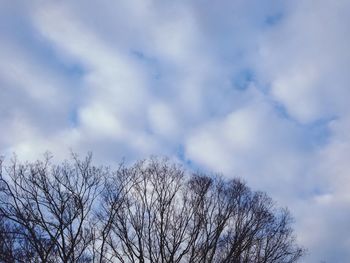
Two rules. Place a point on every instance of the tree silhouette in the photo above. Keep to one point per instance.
(152, 211)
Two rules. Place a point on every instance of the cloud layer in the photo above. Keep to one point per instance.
(249, 89)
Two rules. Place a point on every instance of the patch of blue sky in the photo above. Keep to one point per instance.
(316, 133)
(281, 111)
(273, 19)
(162, 77)
(223, 98)
(319, 131)
(188, 163)
(139, 55)
(156, 71)
(243, 79)
(320, 190)
(150, 61)
(21, 30)
(45, 51)
(313, 134)
(73, 118)
(180, 152)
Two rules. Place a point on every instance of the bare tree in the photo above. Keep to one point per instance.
(152, 211)
(52, 204)
(7, 242)
(157, 213)
(144, 213)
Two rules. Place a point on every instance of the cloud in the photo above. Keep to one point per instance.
(304, 60)
(250, 89)
(254, 142)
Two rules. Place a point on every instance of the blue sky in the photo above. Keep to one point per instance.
(255, 89)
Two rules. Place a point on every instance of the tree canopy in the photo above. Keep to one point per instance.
(151, 211)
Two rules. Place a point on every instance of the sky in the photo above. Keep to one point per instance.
(247, 88)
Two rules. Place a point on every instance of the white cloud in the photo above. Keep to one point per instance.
(100, 122)
(156, 76)
(163, 120)
(253, 142)
(304, 58)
